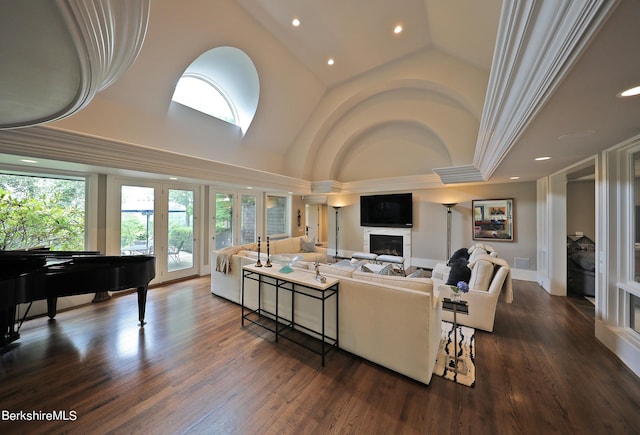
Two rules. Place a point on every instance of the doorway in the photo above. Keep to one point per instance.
(316, 222)
(157, 219)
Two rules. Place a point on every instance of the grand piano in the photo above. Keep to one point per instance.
(27, 276)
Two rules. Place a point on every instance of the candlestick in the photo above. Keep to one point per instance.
(268, 257)
(258, 264)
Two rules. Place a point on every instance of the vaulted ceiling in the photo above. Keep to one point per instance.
(469, 91)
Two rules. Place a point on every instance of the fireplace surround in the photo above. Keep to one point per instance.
(394, 238)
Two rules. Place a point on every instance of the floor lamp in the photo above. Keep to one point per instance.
(449, 207)
(337, 208)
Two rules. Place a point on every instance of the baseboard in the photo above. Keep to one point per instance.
(620, 342)
(524, 275)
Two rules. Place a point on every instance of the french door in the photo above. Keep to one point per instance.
(157, 219)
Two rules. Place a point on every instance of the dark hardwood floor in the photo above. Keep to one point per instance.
(193, 369)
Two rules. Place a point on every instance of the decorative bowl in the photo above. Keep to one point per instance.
(286, 261)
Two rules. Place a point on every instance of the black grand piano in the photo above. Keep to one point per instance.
(27, 276)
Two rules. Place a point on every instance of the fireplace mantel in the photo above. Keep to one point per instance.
(385, 231)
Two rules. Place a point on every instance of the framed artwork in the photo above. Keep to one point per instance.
(493, 219)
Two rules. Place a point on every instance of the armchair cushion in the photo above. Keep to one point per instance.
(481, 275)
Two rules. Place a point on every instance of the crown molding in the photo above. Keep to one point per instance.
(536, 46)
(410, 182)
(50, 143)
(459, 174)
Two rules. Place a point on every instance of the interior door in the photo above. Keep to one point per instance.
(313, 221)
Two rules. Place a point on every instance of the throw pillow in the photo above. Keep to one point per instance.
(344, 263)
(364, 268)
(420, 273)
(459, 272)
(308, 245)
(460, 253)
(389, 270)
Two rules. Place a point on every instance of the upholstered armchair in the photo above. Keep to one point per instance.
(490, 276)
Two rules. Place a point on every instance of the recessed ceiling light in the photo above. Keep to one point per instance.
(330, 61)
(173, 178)
(630, 92)
(543, 158)
(295, 22)
(514, 178)
(249, 187)
(28, 161)
(397, 29)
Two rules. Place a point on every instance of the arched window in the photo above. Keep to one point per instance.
(202, 95)
(222, 82)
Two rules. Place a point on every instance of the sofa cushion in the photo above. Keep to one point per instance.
(332, 269)
(285, 246)
(421, 284)
(313, 256)
(481, 275)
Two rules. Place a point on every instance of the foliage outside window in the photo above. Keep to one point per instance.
(41, 212)
(181, 219)
(224, 220)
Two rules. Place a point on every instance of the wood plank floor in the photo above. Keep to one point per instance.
(193, 369)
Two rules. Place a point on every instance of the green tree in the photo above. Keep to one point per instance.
(39, 221)
(37, 211)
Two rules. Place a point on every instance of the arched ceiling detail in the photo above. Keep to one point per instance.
(389, 150)
(447, 121)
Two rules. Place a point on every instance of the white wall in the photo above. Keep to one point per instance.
(581, 208)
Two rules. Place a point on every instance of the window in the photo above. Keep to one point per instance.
(224, 220)
(221, 82)
(634, 314)
(248, 219)
(276, 216)
(204, 96)
(42, 211)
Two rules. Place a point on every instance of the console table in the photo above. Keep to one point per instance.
(298, 283)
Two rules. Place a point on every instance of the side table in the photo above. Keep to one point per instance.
(461, 307)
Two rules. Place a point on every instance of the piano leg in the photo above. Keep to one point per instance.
(8, 323)
(52, 307)
(142, 304)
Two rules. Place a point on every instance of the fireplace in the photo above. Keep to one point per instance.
(392, 239)
(383, 244)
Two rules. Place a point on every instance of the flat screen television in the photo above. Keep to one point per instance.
(391, 210)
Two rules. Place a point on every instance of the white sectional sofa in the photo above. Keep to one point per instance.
(226, 263)
(393, 321)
